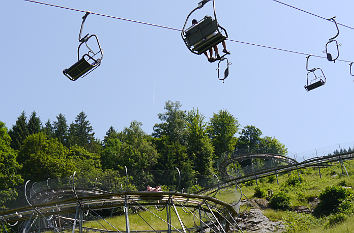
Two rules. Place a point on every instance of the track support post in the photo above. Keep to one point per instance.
(168, 212)
(126, 212)
(342, 166)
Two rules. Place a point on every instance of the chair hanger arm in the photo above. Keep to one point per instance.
(82, 26)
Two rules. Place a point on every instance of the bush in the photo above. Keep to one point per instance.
(346, 206)
(258, 192)
(280, 201)
(336, 219)
(195, 188)
(294, 179)
(331, 199)
(343, 183)
(271, 179)
(250, 183)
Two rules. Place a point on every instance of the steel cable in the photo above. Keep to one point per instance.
(179, 30)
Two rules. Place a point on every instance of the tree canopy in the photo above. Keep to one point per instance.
(183, 149)
(222, 129)
(9, 168)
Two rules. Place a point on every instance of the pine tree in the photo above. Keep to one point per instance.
(48, 129)
(34, 124)
(60, 129)
(81, 132)
(111, 133)
(19, 131)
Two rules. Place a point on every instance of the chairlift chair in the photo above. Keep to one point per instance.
(88, 61)
(204, 35)
(318, 77)
(351, 68)
(226, 71)
(333, 40)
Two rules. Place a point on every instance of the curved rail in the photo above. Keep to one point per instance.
(223, 165)
(317, 161)
(113, 200)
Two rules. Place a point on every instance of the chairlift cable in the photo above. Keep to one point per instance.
(104, 15)
(176, 29)
(310, 13)
(284, 50)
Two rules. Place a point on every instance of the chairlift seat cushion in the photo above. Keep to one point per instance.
(205, 45)
(204, 35)
(315, 85)
(78, 69)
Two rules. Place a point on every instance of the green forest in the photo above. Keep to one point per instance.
(181, 141)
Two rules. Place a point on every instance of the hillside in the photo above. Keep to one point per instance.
(302, 214)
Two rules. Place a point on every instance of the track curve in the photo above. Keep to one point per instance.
(228, 181)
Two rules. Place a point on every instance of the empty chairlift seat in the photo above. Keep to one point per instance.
(315, 77)
(204, 35)
(81, 68)
(315, 85)
(88, 59)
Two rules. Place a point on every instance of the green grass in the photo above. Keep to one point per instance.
(302, 194)
(153, 218)
(228, 195)
(346, 227)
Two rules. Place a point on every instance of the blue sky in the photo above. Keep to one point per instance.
(144, 66)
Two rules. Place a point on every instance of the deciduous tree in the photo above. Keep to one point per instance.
(199, 147)
(173, 123)
(44, 158)
(222, 129)
(249, 140)
(9, 168)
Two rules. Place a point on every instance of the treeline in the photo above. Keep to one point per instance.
(31, 150)
(342, 151)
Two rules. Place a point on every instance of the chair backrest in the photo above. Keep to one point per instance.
(200, 31)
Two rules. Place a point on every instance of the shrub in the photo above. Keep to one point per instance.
(311, 198)
(280, 201)
(249, 183)
(294, 179)
(333, 173)
(346, 206)
(271, 179)
(343, 183)
(258, 192)
(336, 219)
(195, 188)
(331, 199)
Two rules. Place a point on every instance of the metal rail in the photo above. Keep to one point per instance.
(106, 201)
(317, 161)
